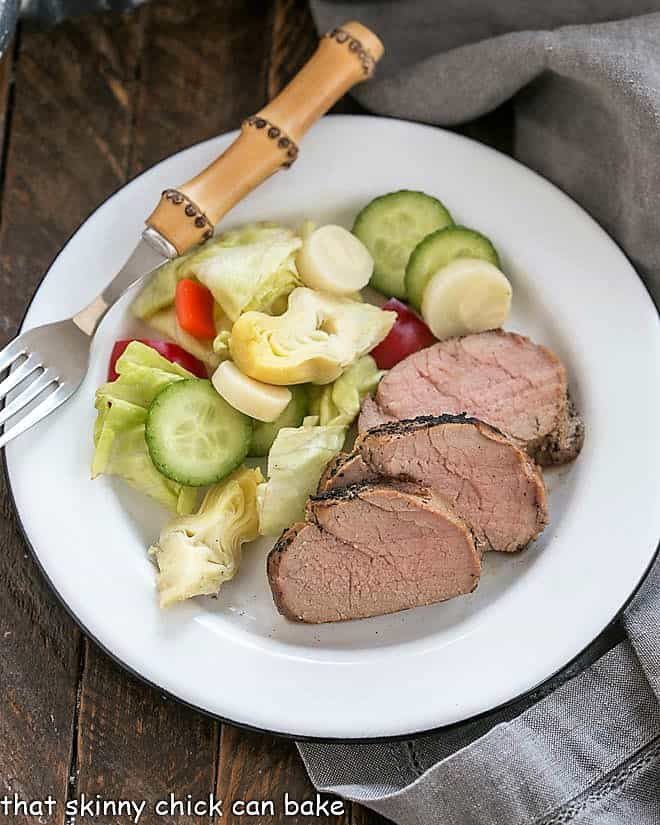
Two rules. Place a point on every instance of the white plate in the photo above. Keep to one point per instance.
(236, 657)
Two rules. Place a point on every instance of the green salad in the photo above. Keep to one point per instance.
(266, 352)
(174, 429)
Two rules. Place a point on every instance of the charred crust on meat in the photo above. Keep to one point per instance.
(406, 425)
(334, 467)
(369, 441)
(297, 587)
(287, 538)
(551, 437)
(353, 491)
(565, 442)
(347, 493)
(272, 568)
(345, 470)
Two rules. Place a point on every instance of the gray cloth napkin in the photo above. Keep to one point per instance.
(585, 79)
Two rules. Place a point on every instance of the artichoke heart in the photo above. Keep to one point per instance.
(313, 341)
(195, 554)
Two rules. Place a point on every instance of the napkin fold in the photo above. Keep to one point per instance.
(585, 83)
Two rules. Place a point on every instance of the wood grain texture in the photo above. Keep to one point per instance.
(39, 649)
(96, 101)
(6, 88)
(193, 80)
(293, 40)
(68, 146)
(261, 767)
(134, 743)
(252, 765)
(64, 155)
(204, 69)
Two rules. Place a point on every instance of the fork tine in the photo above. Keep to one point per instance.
(10, 353)
(44, 408)
(23, 399)
(16, 376)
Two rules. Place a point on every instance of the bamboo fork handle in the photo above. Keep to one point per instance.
(268, 140)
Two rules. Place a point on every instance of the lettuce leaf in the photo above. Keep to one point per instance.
(159, 291)
(271, 296)
(339, 403)
(195, 554)
(295, 464)
(250, 233)
(120, 448)
(166, 324)
(253, 268)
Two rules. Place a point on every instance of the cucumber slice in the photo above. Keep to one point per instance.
(437, 250)
(390, 227)
(193, 435)
(263, 435)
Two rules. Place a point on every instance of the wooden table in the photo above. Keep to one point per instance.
(85, 107)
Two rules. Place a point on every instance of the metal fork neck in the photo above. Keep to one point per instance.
(152, 251)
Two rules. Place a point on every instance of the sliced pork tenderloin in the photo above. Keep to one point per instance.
(563, 444)
(371, 415)
(490, 482)
(346, 469)
(371, 549)
(499, 377)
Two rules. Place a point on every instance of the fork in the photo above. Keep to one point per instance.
(48, 363)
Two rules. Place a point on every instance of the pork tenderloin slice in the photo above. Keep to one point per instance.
(345, 469)
(371, 415)
(500, 377)
(371, 549)
(489, 482)
(563, 444)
